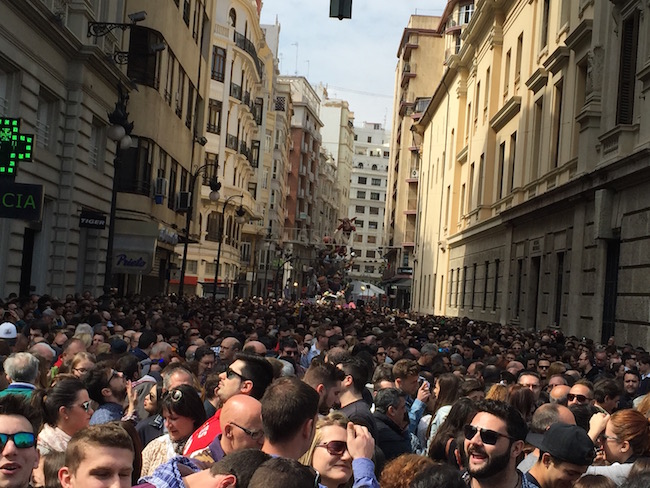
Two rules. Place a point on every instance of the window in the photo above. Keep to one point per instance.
(485, 283)
(361, 194)
(180, 91)
(537, 136)
(233, 17)
(169, 82)
(360, 165)
(134, 174)
(495, 294)
(359, 224)
(513, 156)
(369, 269)
(96, 144)
(374, 210)
(371, 253)
(470, 192)
(218, 63)
(479, 185)
(374, 196)
(376, 182)
(356, 268)
(369, 138)
(546, 5)
(374, 167)
(502, 162)
(214, 116)
(191, 267)
(506, 76)
(557, 123)
(627, 69)
(6, 86)
(372, 240)
(362, 180)
(359, 209)
(486, 97)
(144, 65)
(45, 120)
(358, 238)
(190, 106)
(473, 286)
(171, 196)
(465, 13)
(520, 48)
(372, 225)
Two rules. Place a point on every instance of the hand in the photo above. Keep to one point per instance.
(597, 424)
(132, 396)
(423, 392)
(360, 442)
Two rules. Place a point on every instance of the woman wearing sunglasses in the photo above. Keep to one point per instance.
(66, 410)
(183, 412)
(332, 458)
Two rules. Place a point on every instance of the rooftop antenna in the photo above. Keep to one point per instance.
(307, 69)
(296, 44)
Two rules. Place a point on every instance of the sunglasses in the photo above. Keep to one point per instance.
(290, 353)
(335, 448)
(22, 440)
(488, 437)
(85, 405)
(580, 398)
(230, 374)
(253, 434)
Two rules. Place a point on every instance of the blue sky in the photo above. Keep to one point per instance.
(355, 58)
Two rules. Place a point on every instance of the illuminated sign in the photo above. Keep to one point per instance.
(14, 146)
(19, 201)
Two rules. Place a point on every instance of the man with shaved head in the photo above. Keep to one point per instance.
(241, 428)
(559, 394)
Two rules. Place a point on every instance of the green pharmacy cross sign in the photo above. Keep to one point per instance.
(14, 146)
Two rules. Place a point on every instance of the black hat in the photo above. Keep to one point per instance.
(568, 443)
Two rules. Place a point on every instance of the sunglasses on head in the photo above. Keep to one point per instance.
(580, 398)
(335, 448)
(489, 437)
(22, 440)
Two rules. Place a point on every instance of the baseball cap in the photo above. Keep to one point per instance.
(8, 331)
(568, 443)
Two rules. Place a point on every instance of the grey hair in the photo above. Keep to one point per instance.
(22, 367)
(388, 397)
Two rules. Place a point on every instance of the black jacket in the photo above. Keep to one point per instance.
(392, 440)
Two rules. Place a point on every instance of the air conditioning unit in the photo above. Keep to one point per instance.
(414, 173)
(183, 201)
(159, 189)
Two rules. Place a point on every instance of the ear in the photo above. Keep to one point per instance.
(226, 481)
(246, 387)
(62, 410)
(106, 392)
(347, 381)
(227, 430)
(625, 446)
(65, 477)
(307, 428)
(546, 459)
(320, 389)
(517, 448)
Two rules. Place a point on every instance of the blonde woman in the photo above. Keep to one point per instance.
(341, 452)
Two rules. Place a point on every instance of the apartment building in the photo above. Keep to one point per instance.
(537, 161)
(420, 64)
(368, 200)
(61, 84)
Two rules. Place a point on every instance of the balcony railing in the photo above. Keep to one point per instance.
(247, 98)
(243, 43)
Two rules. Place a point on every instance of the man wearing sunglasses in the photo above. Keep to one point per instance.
(108, 388)
(581, 393)
(494, 439)
(19, 422)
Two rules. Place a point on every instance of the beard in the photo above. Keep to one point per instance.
(495, 464)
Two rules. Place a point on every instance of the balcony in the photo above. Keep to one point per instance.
(409, 239)
(411, 43)
(405, 107)
(232, 142)
(419, 107)
(408, 72)
(244, 151)
(235, 91)
(246, 45)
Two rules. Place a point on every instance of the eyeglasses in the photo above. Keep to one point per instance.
(580, 398)
(380, 353)
(288, 352)
(81, 370)
(489, 437)
(605, 437)
(253, 434)
(85, 405)
(114, 374)
(541, 366)
(335, 448)
(230, 374)
(22, 440)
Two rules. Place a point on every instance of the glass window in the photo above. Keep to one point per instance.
(360, 209)
(374, 196)
(362, 194)
(376, 182)
(362, 180)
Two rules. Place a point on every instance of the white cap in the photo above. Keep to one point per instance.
(8, 331)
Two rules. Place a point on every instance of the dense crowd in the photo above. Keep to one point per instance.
(168, 392)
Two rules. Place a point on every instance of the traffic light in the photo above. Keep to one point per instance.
(341, 9)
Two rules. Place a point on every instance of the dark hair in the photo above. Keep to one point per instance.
(635, 372)
(256, 369)
(111, 434)
(63, 394)
(515, 425)
(128, 365)
(96, 380)
(438, 476)
(388, 397)
(358, 369)
(523, 399)
(449, 384)
(21, 406)
(147, 338)
(185, 401)
(242, 464)
(286, 405)
(211, 382)
(326, 374)
(203, 351)
(461, 413)
(606, 387)
(404, 368)
(53, 461)
(582, 414)
(594, 481)
(283, 473)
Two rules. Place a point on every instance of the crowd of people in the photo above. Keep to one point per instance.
(172, 392)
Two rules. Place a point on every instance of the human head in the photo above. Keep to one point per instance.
(581, 392)
(607, 394)
(392, 403)
(627, 434)
(99, 456)
(446, 389)
(631, 382)
(555, 380)
(406, 373)
(335, 468)
(67, 405)
(22, 367)
(282, 472)
(18, 415)
(183, 411)
(241, 424)
(248, 374)
(176, 374)
(326, 379)
(486, 460)
(559, 395)
(531, 380)
(356, 373)
(236, 469)
(81, 363)
(601, 481)
(204, 357)
(104, 384)
(289, 409)
(229, 347)
(403, 469)
(438, 476)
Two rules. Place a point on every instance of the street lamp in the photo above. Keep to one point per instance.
(214, 197)
(240, 214)
(119, 131)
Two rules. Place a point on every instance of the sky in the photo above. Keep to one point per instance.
(355, 58)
